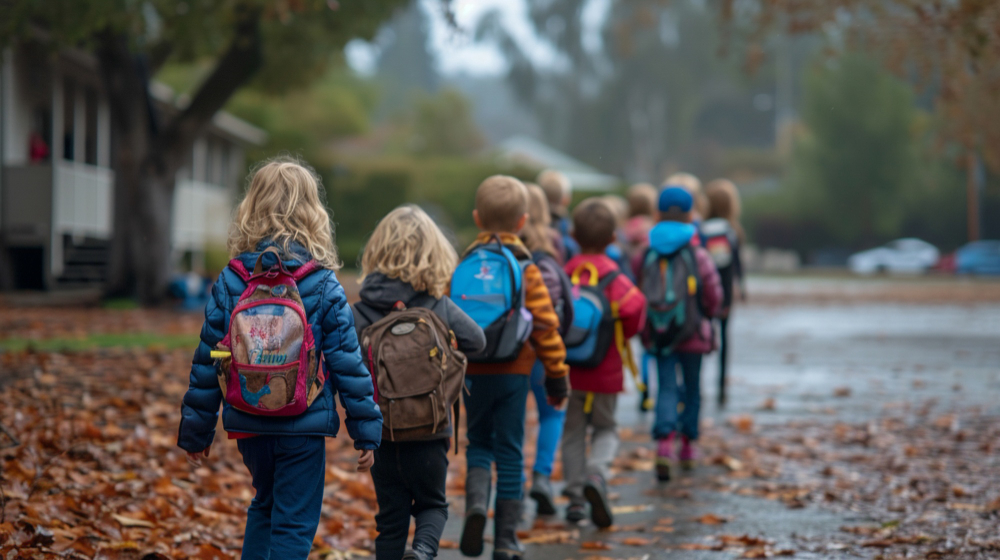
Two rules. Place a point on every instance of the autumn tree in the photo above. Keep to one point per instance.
(951, 48)
(274, 45)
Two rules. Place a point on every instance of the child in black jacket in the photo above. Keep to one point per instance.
(409, 260)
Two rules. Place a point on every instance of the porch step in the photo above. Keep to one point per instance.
(85, 262)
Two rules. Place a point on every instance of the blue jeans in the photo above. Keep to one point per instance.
(288, 473)
(550, 423)
(494, 410)
(671, 394)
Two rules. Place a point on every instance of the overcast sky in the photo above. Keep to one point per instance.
(458, 53)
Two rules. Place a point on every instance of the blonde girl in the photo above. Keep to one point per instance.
(722, 228)
(538, 234)
(286, 456)
(409, 260)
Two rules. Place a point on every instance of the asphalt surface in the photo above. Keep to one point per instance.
(826, 358)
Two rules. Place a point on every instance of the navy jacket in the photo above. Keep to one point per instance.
(332, 322)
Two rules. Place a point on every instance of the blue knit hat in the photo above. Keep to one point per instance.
(675, 197)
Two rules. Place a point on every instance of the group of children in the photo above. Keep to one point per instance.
(543, 302)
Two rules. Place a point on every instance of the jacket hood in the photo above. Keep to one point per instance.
(381, 292)
(603, 263)
(296, 256)
(669, 237)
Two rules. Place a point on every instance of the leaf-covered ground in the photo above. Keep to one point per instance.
(90, 401)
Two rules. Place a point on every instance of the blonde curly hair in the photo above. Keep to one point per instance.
(408, 245)
(284, 204)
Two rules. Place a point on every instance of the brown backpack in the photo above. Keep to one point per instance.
(418, 370)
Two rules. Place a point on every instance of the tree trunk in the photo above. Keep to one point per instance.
(149, 153)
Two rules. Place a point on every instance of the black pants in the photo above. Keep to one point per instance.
(409, 481)
(723, 356)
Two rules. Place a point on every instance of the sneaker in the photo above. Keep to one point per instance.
(664, 456)
(541, 492)
(596, 493)
(687, 454)
(577, 510)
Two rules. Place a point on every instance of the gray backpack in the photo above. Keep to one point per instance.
(671, 286)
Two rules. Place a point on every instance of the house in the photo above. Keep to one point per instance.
(57, 172)
(526, 151)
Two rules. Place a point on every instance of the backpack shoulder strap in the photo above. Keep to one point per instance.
(236, 265)
(305, 270)
(607, 280)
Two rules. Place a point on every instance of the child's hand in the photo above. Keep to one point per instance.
(195, 458)
(557, 403)
(366, 460)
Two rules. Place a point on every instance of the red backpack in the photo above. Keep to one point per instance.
(269, 362)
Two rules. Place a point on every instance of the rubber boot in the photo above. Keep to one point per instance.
(664, 456)
(541, 492)
(688, 455)
(478, 484)
(505, 521)
(429, 524)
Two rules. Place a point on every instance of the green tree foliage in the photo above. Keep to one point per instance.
(863, 170)
(652, 94)
(951, 46)
(276, 44)
(443, 125)
(860, 150)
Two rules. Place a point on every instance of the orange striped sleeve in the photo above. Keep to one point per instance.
(545, 337)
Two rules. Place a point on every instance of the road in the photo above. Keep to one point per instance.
(831, 351)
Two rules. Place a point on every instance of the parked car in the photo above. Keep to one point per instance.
(978, 257)
(902, 256)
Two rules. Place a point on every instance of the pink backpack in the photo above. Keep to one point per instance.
(270, 365)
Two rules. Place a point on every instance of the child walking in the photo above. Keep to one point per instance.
(407, 264)
(498, 385)
(559, 193)
(723, 237)
(594, 394)
(676, 261)
(539, 238)
(282, 231)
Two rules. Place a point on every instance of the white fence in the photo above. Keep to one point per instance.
(83, 199)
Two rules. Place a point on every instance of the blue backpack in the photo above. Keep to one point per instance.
(592, 331)
(488, 286)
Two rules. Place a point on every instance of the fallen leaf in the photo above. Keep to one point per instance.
(711, 519)
(131, 521)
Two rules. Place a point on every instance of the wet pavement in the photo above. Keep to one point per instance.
(808, 358)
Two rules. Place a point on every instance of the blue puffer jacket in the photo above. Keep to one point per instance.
(332, 322)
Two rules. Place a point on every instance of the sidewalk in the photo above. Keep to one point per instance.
(810, 382)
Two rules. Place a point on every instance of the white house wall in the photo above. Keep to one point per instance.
(201, 215)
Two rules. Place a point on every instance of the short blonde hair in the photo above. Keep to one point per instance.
(556, 186)
(501, 201)
(408, 245)
(535, 234)
(642, 198)
(691, 184)
(284, 204)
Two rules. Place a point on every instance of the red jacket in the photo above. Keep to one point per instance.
(609, 377)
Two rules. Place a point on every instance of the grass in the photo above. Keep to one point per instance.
(92, 342)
